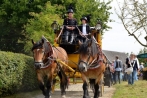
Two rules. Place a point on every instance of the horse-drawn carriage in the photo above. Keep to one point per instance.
(70, 60)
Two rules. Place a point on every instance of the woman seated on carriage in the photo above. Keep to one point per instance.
(84, 30)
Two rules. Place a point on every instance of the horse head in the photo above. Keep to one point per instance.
(38, 53)
(85, 55)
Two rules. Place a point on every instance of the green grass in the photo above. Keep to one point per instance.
(138, 90)
(25, 95)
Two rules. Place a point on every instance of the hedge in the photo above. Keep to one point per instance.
(16, 73)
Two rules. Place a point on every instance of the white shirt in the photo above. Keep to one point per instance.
(84, 29)
(141, 67)
(137, 62)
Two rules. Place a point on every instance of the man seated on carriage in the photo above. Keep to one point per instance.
(69, 24)
(84, 30)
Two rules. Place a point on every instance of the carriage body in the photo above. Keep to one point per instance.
(73, 56)
(72, 49)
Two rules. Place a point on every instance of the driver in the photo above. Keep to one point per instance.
(69, 27)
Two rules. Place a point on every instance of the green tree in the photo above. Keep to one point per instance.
(13, 15)
(41, 25)
(23, 20)
(97, 9)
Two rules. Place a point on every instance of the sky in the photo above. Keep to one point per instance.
(117, 39)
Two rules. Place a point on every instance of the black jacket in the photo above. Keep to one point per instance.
(87, 28)
(134, 64)
(127, 63)
(70, 22)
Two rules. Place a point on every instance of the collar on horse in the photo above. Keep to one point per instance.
(48, 56)
(96, 62)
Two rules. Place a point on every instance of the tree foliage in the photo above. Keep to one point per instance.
(14, 14)
(133, 15)
(41, 25)
(23, 20)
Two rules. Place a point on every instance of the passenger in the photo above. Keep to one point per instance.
(84, 29)
(69, 27)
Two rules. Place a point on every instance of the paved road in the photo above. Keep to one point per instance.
(74, 91)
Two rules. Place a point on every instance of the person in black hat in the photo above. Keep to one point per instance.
(84, 29)
(69, 27)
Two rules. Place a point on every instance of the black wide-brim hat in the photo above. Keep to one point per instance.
(70, 11)
(84, 18)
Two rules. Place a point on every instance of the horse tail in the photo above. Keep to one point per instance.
(63, 77)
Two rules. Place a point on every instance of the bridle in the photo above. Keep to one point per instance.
(41, 64)
(93, 62)
(87, 61)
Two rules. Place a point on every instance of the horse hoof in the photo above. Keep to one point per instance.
(63, 96)
(47, 96)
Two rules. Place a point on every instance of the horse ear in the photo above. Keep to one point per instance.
(42, 41)
(33, 42)
(89, 43)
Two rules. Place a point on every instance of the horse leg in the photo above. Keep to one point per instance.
(85, 89)
(63, 81)
(41, 86)
(48, 91)
(62, 87)
(96, 93)
(41, 83)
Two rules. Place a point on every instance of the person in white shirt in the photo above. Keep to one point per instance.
(84, 29)
(137, 68)
(141, 66)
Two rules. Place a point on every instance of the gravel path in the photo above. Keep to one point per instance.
(75, 91)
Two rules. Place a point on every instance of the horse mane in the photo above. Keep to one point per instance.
(39, 45)
(83, 49)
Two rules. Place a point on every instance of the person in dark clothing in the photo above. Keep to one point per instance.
(118, 69)
(69, 27)
(84, 29)
(128, 63)
(132, 62)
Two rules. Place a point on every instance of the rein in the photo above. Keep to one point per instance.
(68, 59)
(94, 61)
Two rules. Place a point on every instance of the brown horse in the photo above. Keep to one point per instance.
(91, 67)
(46, 65)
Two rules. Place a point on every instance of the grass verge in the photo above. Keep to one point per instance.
(138, 90)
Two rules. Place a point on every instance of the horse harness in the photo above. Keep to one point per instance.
(48, 58)
(94, 63)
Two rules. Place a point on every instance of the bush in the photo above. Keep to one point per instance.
(16, 73)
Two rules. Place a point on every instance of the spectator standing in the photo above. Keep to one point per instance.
(129, 65)
(141, 66)
(112, 70)
(141, 70)
(117, 66)
(132, 62)
(135, 68)
(125, 74)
